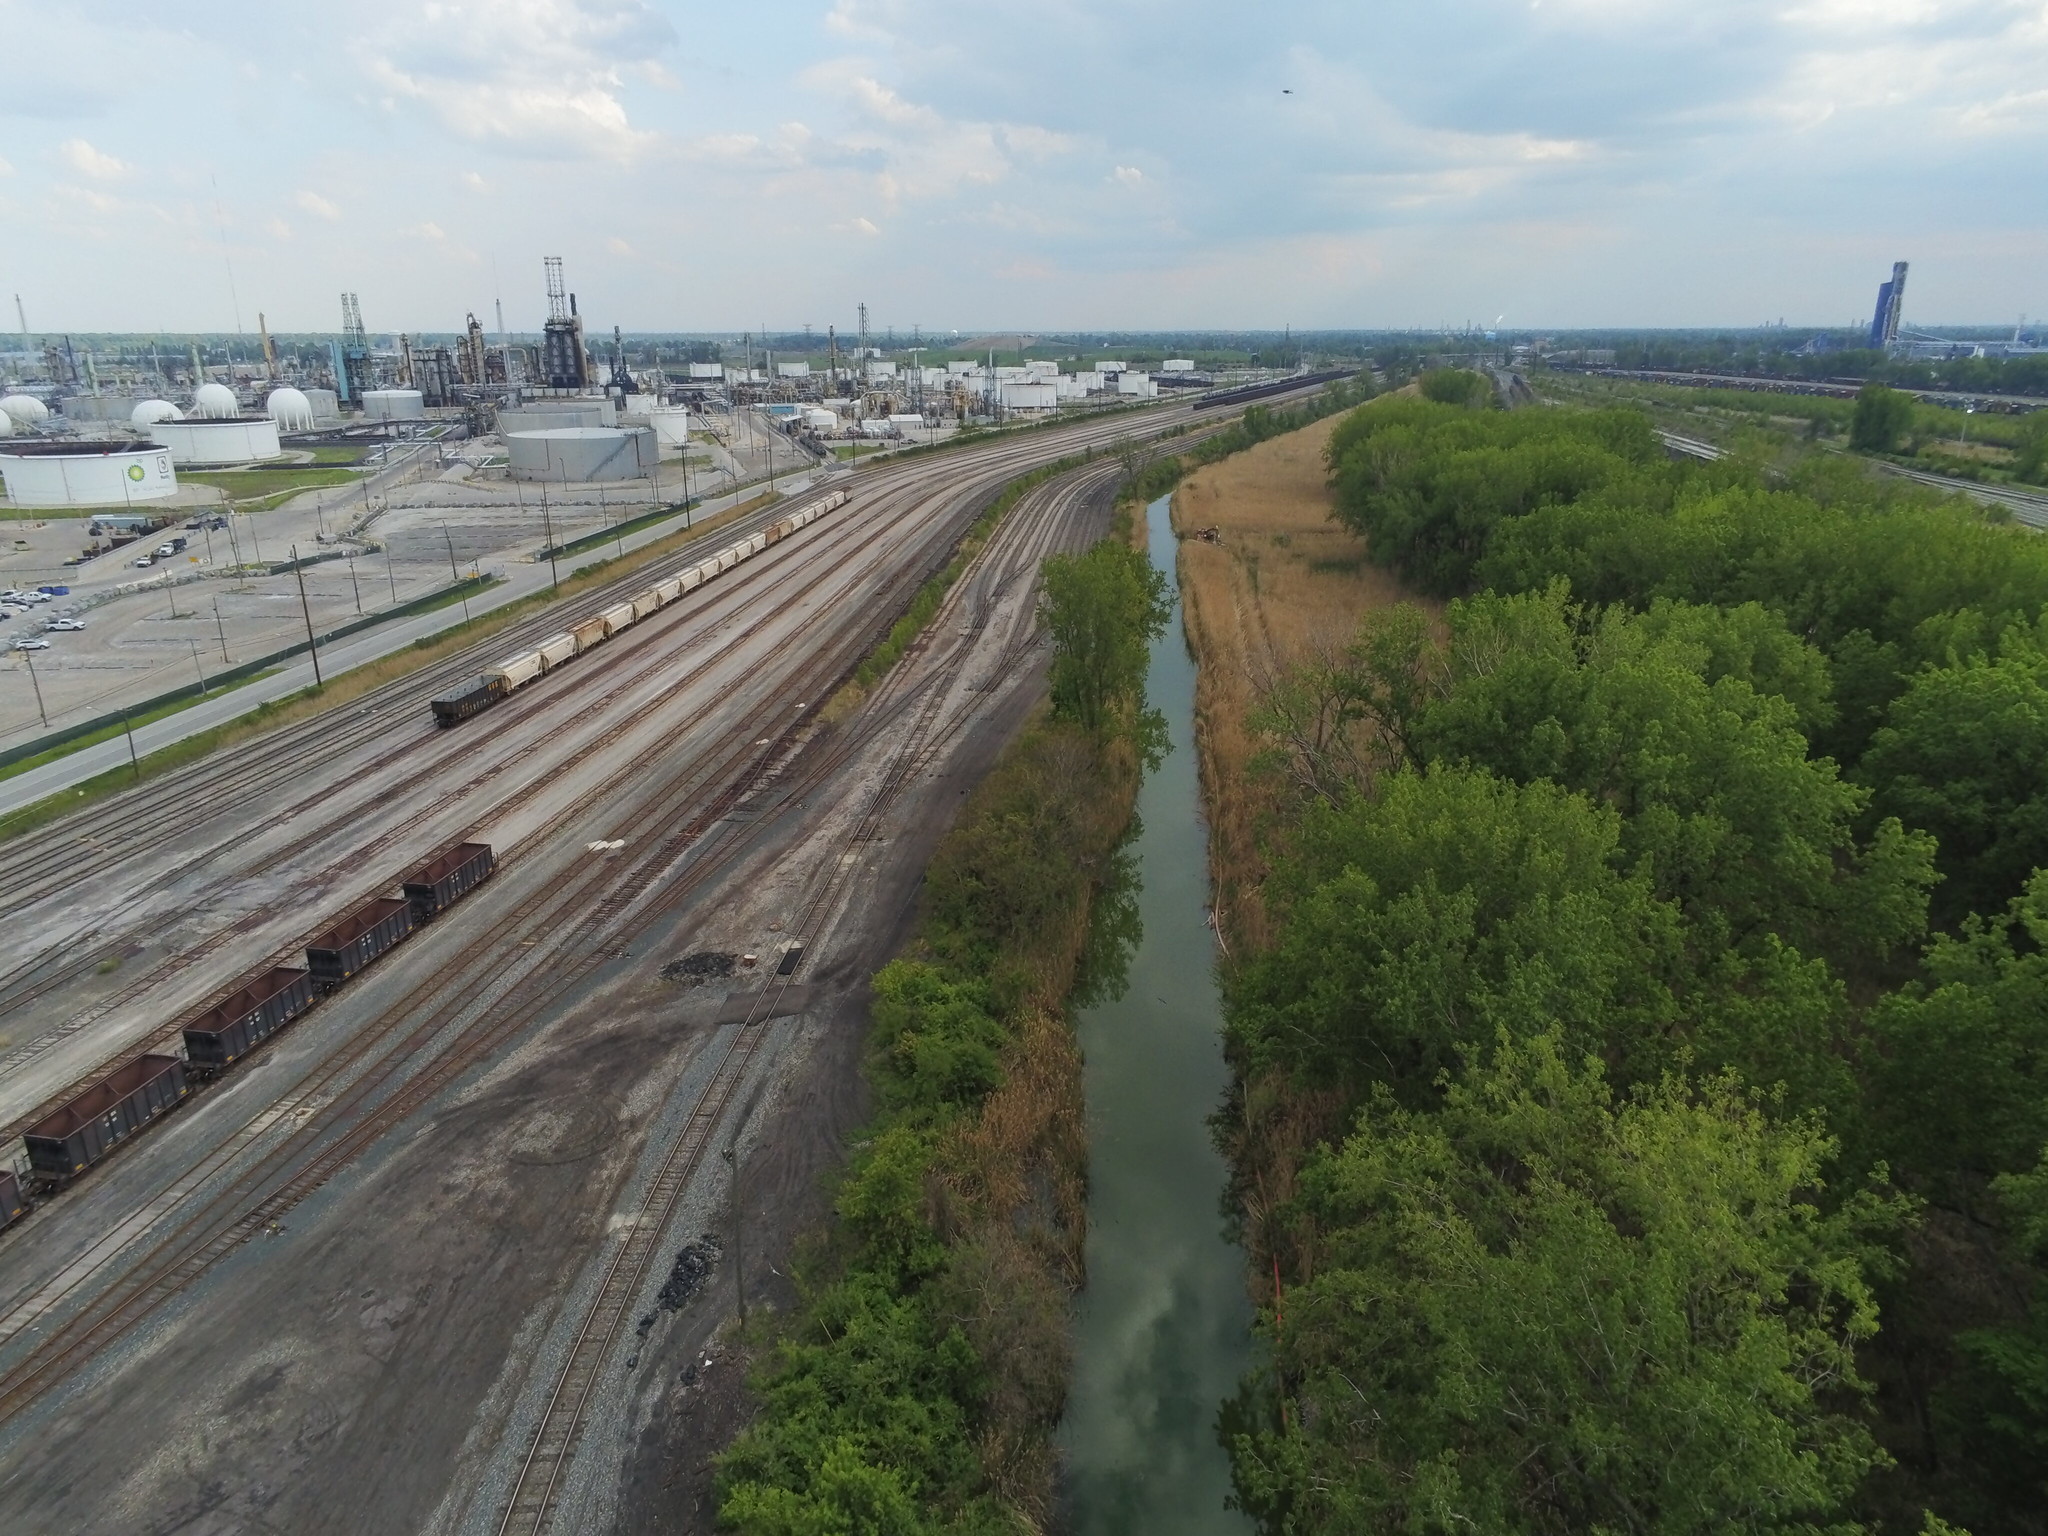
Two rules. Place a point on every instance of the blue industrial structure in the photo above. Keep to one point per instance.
(1891, 296)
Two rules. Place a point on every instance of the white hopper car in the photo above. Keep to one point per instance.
(480, 693)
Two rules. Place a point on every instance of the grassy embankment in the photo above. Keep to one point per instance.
(348, 686)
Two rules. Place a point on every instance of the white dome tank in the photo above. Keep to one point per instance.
(213, 401)
(6, 425)
(290, 409)
(26, 410)
(149, 412)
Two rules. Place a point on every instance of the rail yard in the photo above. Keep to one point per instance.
(393, 1265)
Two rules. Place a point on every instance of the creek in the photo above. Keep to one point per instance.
(1162, 1332)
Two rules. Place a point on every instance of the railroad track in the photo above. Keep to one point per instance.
(171, 807)
(468, 1011)
(566, 1409)
(260, 1198)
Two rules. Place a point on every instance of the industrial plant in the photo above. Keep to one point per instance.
(85, 429)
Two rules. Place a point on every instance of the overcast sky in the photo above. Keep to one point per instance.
(1058, 164)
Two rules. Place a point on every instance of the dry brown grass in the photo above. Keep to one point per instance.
(1282, 581)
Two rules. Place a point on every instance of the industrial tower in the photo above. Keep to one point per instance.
(351, 354)
(564, 362)
(1891, 298)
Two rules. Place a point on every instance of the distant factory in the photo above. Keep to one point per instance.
(564, 405)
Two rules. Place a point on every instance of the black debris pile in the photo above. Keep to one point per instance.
(704, 965)
(691, 1269)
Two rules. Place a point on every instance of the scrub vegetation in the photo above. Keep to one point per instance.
(1640, 1118)
(917, 1387)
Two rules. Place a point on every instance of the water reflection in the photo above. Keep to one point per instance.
(1162, 1333)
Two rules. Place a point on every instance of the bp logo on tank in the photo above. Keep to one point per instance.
(134, 471)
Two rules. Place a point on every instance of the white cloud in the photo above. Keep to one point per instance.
(1129, 175)
(5, 168)
(537, 77)
(278, 229)
(318, 206)
(475, 182)
(87, 161)
(619, 247)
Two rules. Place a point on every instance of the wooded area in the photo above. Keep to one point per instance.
(1642, 1106)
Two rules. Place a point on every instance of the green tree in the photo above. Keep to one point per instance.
(1456, 386)
(1963, 754)
(2030, 457)
(1962, 1070)
(1883, 417)
(1103, 608)
(1549, 1309)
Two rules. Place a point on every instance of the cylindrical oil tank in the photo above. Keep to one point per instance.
(394, 405)
(46, 474)
(670, 423)
(199, 441)
(582, 453)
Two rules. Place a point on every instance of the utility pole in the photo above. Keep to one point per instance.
(195, 658)
(35, 684)
(312, 645)
(739, 1251)
(358, 586)
(221, 630)
(548, 523)
(453, 574)
(134, 762)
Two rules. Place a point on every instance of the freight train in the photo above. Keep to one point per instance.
(480, 693)
(142, 1089)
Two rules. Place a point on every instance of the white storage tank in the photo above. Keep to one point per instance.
(394, 405)
(150, 412)
(1030, 395)
(215, 402)
(545, 415)
(792, 370)
(232, 440)
(25, 410)
(290, 409)
(1178, 365)
(821, 421)
(710, 371)
(86, 474)
(582, 453)
(671, 423)
(326, 404)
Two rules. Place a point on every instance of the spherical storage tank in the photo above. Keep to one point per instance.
(150, 412)
(582, 453)
(6, 425)
(86, 474)
(394, 405)
(215, 401)
(236, 440)
(290, 409)
(24, 410)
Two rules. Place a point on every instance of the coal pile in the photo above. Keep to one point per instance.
(704, 965)
(687, 1275)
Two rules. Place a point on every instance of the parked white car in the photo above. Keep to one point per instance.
(31, 643)
(67, 623)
